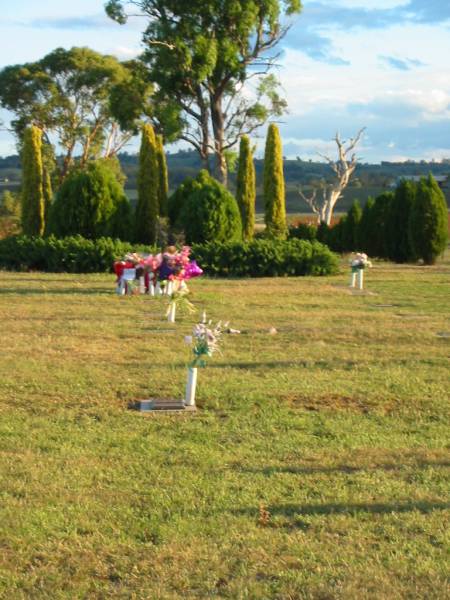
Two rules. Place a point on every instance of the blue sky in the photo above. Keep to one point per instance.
(346, 64)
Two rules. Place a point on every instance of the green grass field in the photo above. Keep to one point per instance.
(316, 468)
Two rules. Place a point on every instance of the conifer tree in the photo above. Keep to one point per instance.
(163, 187)
(397, 230)
(210, 212)
(32, 183)
(91, 202)
(47, 191)
(246, 188)
(428, 223)
(365, 226)
(273, 182)
(351, 228)
(376, 244)
(147, 208)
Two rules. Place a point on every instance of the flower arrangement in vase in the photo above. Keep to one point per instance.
(358, 263)
(205, 341)
(157, 274)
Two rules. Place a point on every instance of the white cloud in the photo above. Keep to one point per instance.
(124, 53)
(406, 111)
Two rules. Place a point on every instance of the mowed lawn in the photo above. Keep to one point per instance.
(316, 468)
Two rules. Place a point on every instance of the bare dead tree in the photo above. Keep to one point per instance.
(324, 198)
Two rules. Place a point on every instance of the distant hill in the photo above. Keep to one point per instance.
(369, 180)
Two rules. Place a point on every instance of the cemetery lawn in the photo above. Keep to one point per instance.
(316, 468)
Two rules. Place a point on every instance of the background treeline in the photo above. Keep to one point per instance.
(405, 225)
(90, 222)
(369, 181)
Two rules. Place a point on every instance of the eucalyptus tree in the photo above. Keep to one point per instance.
(71, 95)
(343, 168)
(202, 55)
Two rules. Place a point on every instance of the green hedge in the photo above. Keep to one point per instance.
(266, 258)
(66, 255)
(258, 258)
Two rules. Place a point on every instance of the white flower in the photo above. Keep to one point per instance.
(360, 259)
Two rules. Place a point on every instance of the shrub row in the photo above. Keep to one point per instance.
(403, 226)
(258, 258)
(66, 255)
(266, 258)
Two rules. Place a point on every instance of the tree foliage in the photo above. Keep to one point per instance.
(201, 55)
(147, 208)
(376, 242)
(33, 201)
(178, 201)
(163, 185)
(209, 212)
(9, 214)
(365, 225)
(373, 227)
(273, 184)
(397, 231)
(246, 188)
(91, 202)
(9, 205)
(351, 227)
(428, 223)
(70, 95)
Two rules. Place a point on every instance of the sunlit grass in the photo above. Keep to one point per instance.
(317, 466)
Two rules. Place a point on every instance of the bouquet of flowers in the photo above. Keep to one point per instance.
(359, 261)
(170, 265)
(205, 341)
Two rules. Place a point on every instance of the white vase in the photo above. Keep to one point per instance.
(191, 385)
(172, 312)
(141, 285)
(158, 290)
(169, 288)
(151, 289)
(360, 279)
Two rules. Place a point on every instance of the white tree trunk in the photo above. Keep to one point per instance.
(332, 197)
(343, 169)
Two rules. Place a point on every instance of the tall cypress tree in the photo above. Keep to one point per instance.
(397, 231)
(428, 223)
(246, 188)
(163, 188)
(147, 208)
(351, 227)
(33, 203)
(48, 167)
(47, 191)
(365, 226)
(377, 243)
(273, 182)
